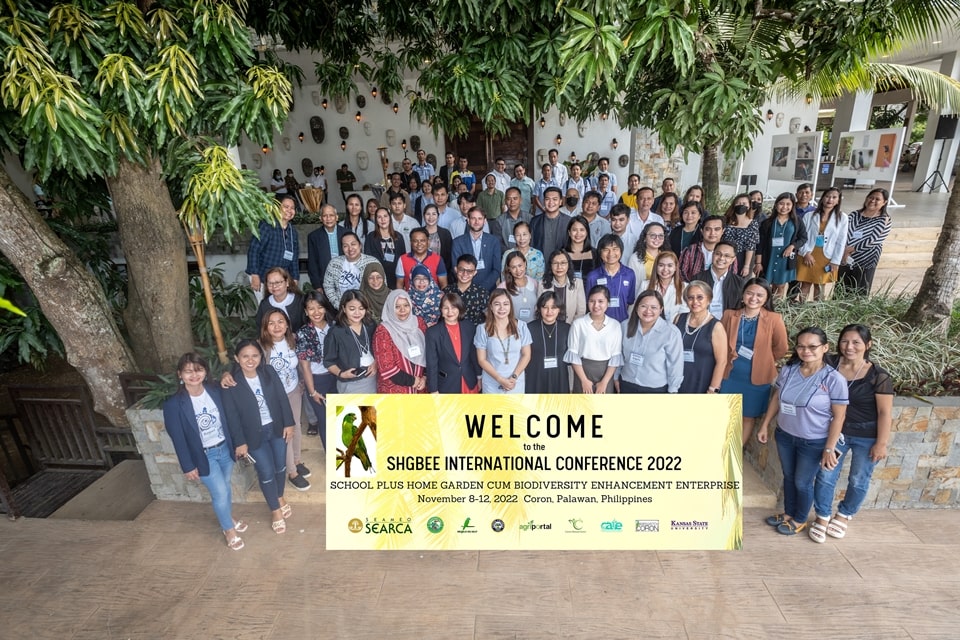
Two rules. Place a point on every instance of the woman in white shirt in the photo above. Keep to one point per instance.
(826, 241)
(279, 346)
(667, 282)
(594, 347)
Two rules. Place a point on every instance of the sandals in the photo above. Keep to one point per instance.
(818, 532)
(286, 510)
(235, 543)
(279, 526)
(776, 519)
(837, 527)
(240, 526)
(791, 527)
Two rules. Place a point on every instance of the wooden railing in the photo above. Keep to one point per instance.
(62, 429)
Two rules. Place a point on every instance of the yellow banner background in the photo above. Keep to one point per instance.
(700, 434)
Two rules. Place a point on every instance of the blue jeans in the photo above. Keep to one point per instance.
(858, 482)
(800, 459)
(218, 484)
(324, 383)
(271, 466)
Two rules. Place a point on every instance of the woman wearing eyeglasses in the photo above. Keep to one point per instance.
(809, 401)
(283, 294)
(866, 433)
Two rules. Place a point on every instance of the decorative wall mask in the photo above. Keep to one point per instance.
(363, 161)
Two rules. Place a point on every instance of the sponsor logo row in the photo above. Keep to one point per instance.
(404, 525)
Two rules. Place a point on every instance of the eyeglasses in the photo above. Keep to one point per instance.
(701, 297)
(725, 256)
(655, 236)
(276, 283)
(466, 271)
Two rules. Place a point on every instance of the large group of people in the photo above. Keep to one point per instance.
(646, 295)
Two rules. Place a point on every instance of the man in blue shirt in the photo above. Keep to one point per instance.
(277, 246)
(620, 280)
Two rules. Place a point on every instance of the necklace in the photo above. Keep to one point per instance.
(856, 375)
(698, 327)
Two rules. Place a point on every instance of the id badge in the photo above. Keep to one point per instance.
(578, 275)
(511, 239)
(524, 314)
(636, 359)
(614, 303)
(549, 363)
(688, 356)
(602, 281)
(413, 351)
(857, 235)
(820, 240)
(777, 242)
(366, 360)
(716, 309)
(743, 352)
(480, 265)
(388, 256)
(788, 409)
(288, 255)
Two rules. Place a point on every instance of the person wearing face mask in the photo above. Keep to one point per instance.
(571, 203)
(743, 231)
(756, 205)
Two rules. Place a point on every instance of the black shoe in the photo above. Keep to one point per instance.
(299, 483)
(303, 470)
(313, 430)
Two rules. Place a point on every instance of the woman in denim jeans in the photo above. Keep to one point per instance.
(261, 424)
(810, 400)
(866, 433)
(196, 423)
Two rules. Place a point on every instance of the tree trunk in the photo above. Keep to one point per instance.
(933, 304)
(710, 172)
(152, 239)
(70, 298)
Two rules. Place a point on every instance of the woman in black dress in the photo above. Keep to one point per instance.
(704, 342)
(548, 373)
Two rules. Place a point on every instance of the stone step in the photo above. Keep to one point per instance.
(901, 260)
(918, 233)
(912, 246)
(755, 493)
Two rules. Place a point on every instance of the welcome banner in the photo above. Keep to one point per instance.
(438, 472)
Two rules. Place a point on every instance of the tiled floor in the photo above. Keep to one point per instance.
(168, 575)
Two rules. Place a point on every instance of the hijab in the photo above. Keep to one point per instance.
(376, 298)
(426, 304)
(406, 335)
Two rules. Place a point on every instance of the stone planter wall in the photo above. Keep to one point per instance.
(922, 469)
(163, 468)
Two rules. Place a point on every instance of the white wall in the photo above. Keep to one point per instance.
(597, 136)
(380, 116)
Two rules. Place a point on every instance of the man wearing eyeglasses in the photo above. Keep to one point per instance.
(726, 282)
(474, 296)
